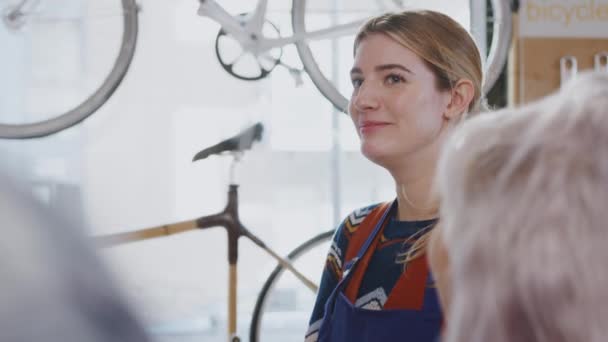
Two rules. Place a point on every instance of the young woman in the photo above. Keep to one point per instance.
(523, 206)
(415, 75)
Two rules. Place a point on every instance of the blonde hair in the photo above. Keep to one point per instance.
(449, 51)
(445, 46)
(524, 195)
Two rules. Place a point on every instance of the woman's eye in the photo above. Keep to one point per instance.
(356, 82)
(393, 79)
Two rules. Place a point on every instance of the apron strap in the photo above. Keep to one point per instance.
(367, 250)
(372, 220)
(409, 291)
(363, 232)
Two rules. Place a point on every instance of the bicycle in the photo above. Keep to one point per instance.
(248, 31)
(257, 37)
(228, 218)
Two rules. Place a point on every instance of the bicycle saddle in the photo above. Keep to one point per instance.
(239, 142)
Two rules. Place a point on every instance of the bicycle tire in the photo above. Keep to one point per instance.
(97, 98)
(501, 40)
(258, 311)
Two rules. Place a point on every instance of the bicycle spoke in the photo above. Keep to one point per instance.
(267, 62)
(231, 50)
(244, 66)
(238, 58)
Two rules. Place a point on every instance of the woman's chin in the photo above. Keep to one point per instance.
(374, 153)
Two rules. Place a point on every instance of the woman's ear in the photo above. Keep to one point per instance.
(462, 95)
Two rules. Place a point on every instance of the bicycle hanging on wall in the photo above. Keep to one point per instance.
(253, 32)
(48, 35)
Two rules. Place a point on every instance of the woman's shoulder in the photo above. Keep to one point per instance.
(345, 231)
(356, 217)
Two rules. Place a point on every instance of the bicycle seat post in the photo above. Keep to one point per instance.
(237, 155)
(234, 233)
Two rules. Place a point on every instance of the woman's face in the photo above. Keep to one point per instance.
(396, 106)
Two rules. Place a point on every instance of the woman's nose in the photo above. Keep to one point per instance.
(366, 97)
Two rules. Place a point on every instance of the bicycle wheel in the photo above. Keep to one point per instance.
(62, 60)
(306, 257)
(307, 15)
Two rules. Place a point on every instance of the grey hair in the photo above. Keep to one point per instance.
(523, 202)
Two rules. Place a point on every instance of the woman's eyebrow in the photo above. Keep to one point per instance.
(355, 70)
(383, 67)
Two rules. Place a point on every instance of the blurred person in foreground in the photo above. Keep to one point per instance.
(521, 251)
(53, 287)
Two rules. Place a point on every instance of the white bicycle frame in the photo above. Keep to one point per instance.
(248, 30)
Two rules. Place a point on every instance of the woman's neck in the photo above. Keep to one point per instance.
(414, 184)
(414, 177)
(415, 202)
(409, 209)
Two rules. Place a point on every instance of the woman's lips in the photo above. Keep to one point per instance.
(367, 127)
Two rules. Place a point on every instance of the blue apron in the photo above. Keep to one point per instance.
(345, 322)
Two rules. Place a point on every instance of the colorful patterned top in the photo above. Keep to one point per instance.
(385, 266)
